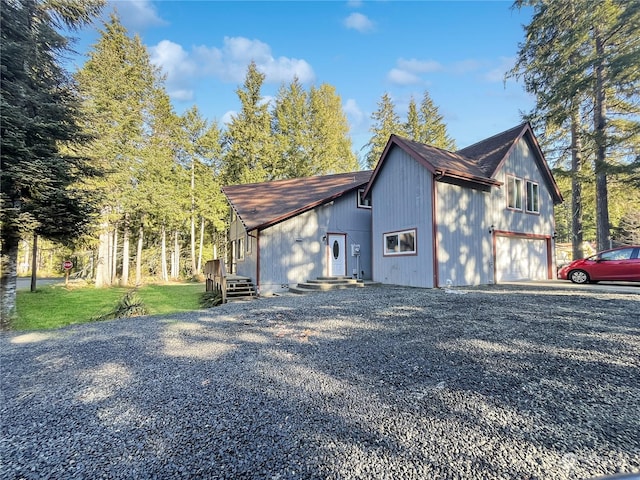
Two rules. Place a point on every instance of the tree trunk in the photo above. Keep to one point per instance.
(10, 244)
(194, 269)
(114, 256)
(163, 254)
(34, 262)
(125, 254)
(139, 257)
(577, 228)
(202, 222)
(175, 264)
(102, 268)
(599, 120)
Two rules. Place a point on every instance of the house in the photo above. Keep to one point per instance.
(481, 215)
(285, 232)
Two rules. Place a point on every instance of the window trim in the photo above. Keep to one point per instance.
(518, 183)
(387, 253)
(240, 248)
(360, 200)
(537, 197)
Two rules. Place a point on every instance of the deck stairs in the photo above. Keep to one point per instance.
(240, 289)
(323, 284)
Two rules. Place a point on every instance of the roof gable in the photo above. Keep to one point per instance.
(260, 205)
(477, 163)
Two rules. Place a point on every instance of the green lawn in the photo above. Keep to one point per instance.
(56, 306)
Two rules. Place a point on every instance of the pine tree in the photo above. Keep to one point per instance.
(249, 149)
(118, 83)
(412, 127)
(291, 130)
(40, 167)
(433, 130)
(330, 145)
(580, 58)
(386, 122)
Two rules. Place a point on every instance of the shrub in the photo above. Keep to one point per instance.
(130, 305)
(210, 299)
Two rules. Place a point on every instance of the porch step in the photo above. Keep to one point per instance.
(240, 288)
(323, 284)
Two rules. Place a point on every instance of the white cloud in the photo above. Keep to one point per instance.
(466, 66)
(354, 3)
(138, 14)
(175, 63)
(228, 63)
(402, 77)
(359, 22)
(352, 110)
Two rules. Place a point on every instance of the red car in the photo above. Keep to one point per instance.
(622, 263)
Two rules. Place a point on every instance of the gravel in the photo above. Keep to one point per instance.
(499, 382)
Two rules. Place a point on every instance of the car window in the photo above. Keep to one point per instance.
(624, 254)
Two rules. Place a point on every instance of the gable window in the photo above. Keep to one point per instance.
(533, 198)
(362, 201)
(400, 243)
(514, 193)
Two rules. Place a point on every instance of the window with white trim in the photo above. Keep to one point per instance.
(533, 197)
(514, 193)
(362, 201)
(400, 243)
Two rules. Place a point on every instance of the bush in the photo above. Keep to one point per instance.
(210, 299)
(130, 305)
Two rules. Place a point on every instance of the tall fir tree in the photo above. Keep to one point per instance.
(330, 145)
(291, 130)
(118, 83)
(433, 130)
(40, 116)
(386, 122)
(249, 147)
(580, 58)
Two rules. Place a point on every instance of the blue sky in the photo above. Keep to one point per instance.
(457, 50)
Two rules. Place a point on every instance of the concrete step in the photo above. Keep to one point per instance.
(307, 287)
(334, 281)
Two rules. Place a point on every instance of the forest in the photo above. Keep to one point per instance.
(97, 166)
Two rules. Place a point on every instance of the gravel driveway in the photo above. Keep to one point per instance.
(518, 382)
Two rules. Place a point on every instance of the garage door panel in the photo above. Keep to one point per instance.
(520, 258)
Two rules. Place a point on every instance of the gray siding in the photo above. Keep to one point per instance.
(522, 163)
(293, 251)
(402, 200)
(464, 241)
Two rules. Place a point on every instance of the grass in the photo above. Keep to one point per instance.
(52, 307)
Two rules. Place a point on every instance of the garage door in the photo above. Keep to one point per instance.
(520, 258)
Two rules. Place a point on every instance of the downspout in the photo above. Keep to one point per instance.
(258, 262)
(434, 225)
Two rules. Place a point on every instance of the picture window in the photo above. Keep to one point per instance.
(400, 243)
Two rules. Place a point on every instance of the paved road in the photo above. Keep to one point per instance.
(602, 287)
(24, 283)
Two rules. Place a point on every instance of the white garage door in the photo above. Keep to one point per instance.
(521, 259)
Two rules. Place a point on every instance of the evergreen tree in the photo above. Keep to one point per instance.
(433, 130)
(580, 58)
(249, 147)
(291, 131)
(330, 145)
(386, 122)
(412, 126)
(118, 83)
(39, 176)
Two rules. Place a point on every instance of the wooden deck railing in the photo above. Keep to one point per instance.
(216, 278)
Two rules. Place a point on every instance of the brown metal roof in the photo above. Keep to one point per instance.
(489, 153)
(477, 163)
(260, 205)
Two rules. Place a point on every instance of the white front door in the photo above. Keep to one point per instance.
(337, 255)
